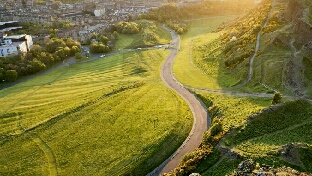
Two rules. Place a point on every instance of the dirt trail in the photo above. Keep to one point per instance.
(257, 49)
(48, 152)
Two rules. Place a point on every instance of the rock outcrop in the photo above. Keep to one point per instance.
(294, 13)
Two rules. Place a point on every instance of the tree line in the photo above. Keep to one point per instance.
(37, 59)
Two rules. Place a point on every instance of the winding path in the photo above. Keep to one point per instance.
(198, 109)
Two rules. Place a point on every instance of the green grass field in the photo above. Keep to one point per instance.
(235, 109)
(112, 116)
(200, 33)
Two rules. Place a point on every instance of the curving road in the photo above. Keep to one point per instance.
(198, 109)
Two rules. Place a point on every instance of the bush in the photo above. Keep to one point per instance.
(276, 98)
(10, 76)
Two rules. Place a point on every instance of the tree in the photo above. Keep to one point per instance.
(10, 76)
(37, 66)
(74, 50)
(66, 51)
(115, 34)
(54, 44)
(104, 39)
(276, 98)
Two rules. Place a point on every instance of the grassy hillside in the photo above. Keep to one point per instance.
(200, 32)
(221, 59)
(102, 118)
(276, 138)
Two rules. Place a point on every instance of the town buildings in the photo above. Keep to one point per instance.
(85, 17)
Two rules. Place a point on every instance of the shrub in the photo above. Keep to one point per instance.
(276, 98)
(10, 76)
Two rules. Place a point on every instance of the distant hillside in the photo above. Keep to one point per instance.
(284, 59)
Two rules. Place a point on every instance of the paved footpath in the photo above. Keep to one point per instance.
(199, 112)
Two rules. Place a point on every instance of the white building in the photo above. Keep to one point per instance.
(12, 45)
(8, 50)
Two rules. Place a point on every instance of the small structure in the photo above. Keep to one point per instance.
(12, 45)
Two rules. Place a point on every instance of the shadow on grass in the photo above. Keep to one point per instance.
(159, 150)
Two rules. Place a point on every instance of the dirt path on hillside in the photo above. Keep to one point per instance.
(257, 49)
(201, 122)
(43, 146)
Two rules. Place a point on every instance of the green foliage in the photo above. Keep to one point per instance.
(10, 75)
(276, 98)
(191, 161)
(54, 44)
(306, 157)
(99, 48)
(103, 39)
(177, 26)
(39, 58)
(242, 32)
(209, 161)
(216, 128)
(214, 134)
(214, 112)
(170, 12)
(150, 34)
(115, 34)
(126, 27)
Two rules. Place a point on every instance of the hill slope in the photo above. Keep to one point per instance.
(283, 60)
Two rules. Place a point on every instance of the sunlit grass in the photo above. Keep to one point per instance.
(234, 109)
(200, 33)
(111, 116)
(266, 134)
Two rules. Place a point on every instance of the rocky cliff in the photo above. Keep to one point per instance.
(294, 13)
